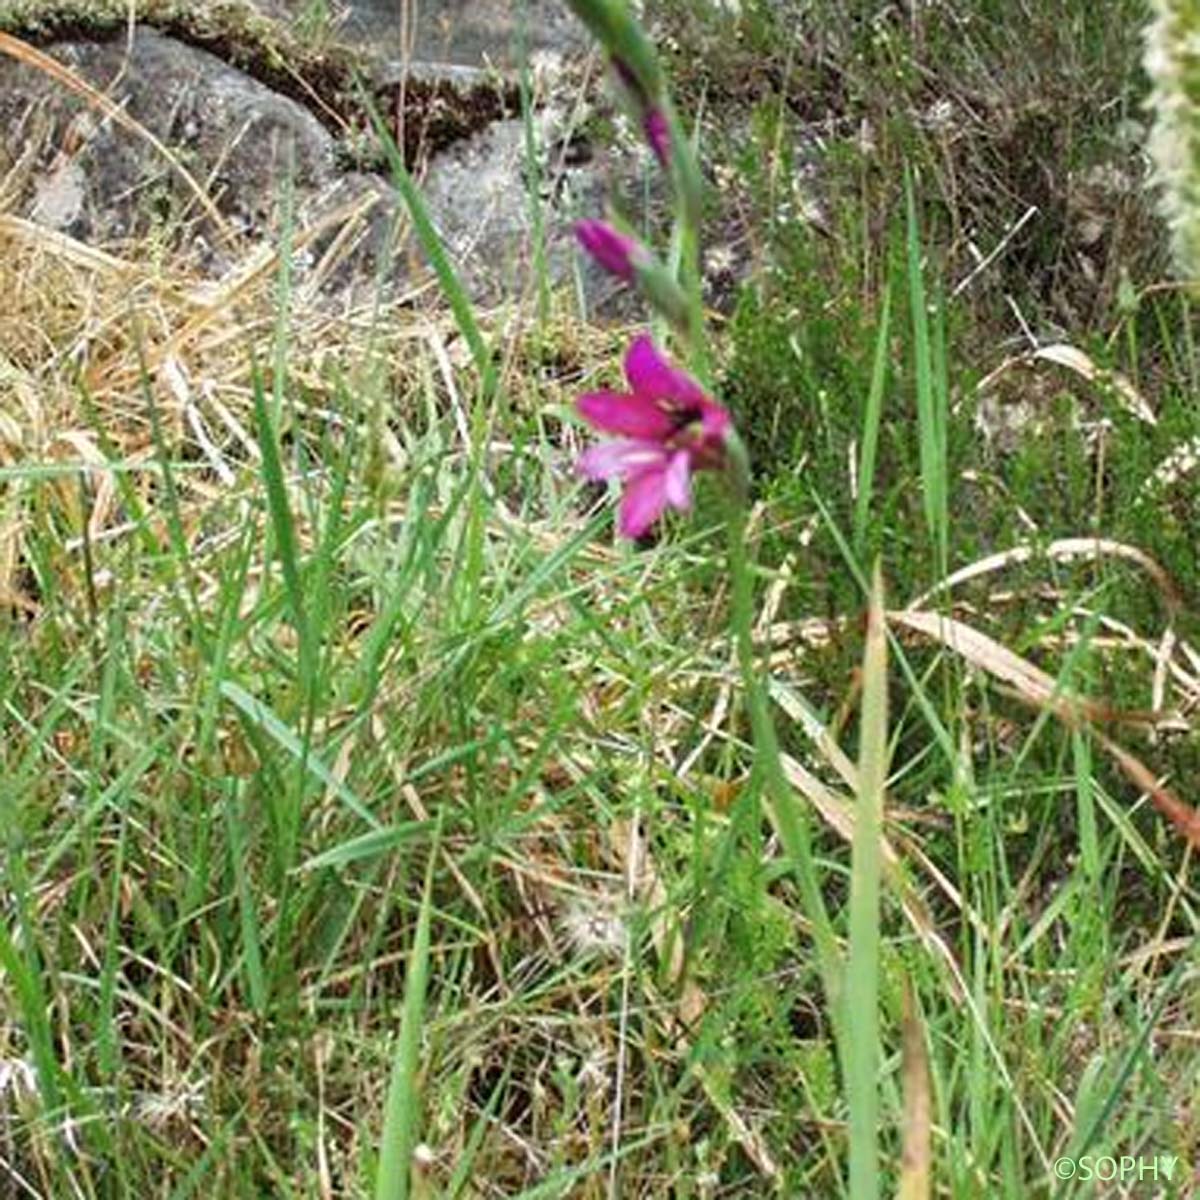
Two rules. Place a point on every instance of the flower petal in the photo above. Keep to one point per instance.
(715, 421)
(677, 484)
(623, 414)
(653, 378)
(643, 503)
(616, 460)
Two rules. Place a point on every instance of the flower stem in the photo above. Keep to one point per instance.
(785, 812)
(693, 288)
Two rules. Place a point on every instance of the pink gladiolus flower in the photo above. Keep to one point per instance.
(614, 251)
(666, 428)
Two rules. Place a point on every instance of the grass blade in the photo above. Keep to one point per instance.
(916, 1165)
(403, 1100)
(533, 174)
(369, 845)
(872, 419)
(262, 717)
(431, 243)
(929, 363)
(256, 979)
(282, 523)
(861, 998)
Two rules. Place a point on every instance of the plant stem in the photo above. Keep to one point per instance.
(693, 285)
(787, 816)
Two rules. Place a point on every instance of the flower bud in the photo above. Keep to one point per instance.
(612, 250)
(628, 46)
(658, 135)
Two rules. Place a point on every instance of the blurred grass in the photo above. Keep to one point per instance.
(246, 676)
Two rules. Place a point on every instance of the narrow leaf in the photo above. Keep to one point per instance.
(916, 1162)
(404, 1093)
(860, 1020)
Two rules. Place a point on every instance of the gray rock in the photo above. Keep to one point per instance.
(478, 192)
(470, 33)
(87, 174)
(90, 176)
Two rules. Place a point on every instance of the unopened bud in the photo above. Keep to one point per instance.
(628, 46)
(658, 135)
(611, 249)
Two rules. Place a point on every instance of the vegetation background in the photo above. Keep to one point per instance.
(349, 772)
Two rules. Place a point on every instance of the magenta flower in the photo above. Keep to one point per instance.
(666, 428)
(614, 251)
(658, 134)
(654, 120)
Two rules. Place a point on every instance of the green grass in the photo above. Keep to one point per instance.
(374, 826)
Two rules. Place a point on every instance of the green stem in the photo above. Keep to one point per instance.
(693, 288)
(786, 814)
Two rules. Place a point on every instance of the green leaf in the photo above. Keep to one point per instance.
(404, 1093)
